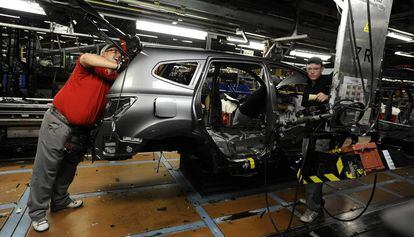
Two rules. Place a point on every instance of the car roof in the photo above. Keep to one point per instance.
(183, 53)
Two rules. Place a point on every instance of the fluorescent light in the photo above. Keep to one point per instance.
(294, 64)
(149, 36)
(236, 40)
(58, 41)
(82, 44)
(242, 40)
(11, 16)
(306, 54)
(401, 32)
(171, 29)
(253, 45)
(22, 5)
(400, 36)
(404, 54)
(68, 36)
(187, 41)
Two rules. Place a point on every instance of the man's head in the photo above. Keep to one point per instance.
(111, 53)
(314, 68)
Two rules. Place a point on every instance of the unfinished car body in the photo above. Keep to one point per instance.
(190, 100)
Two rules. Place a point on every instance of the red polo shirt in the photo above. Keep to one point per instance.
(83, 97)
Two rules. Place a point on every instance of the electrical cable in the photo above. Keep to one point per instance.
(353, 43)
(295, 199)
(362, 212)
(159, 161)
(372, 67)
(105, 36)
(370, 47)
(372, 70)
(266, 194)
(125, 71)
(117, 104)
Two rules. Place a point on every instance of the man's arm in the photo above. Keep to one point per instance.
(88, 60)
(324, 94)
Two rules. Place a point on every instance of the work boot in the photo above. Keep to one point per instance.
(40, 225)
(73, 204)
(309, 216)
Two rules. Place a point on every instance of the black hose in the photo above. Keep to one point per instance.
(105, 36)
(370, 48)
(353, 42)
(372, 71)
(119, 99)
(363, 211)
(295, 199)
(126, 69)
(266, 196)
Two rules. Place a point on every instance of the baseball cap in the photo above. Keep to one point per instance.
(315, 60)
(106, 47)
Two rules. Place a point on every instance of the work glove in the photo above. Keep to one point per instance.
(122, 64)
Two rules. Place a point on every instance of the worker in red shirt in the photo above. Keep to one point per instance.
(62, 136)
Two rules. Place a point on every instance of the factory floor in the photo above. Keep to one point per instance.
(130, 198)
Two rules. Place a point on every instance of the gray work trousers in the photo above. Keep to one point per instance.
(313, 194)
(314, 200)
(52, 171)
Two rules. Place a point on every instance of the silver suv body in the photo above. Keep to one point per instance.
(188, 100)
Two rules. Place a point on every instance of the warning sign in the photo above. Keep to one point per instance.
(366, 28)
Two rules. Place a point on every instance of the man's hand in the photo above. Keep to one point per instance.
(122, 64)
(321, 97)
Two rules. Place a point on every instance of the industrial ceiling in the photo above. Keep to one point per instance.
(259, 19)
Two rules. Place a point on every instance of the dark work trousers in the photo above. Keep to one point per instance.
(314, 200)
(52, 171)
